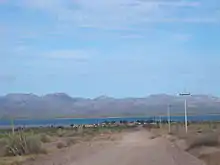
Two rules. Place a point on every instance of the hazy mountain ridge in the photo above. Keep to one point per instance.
(61, 104)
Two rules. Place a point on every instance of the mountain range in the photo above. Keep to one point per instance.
(62, 105)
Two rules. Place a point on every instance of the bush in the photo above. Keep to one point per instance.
(211, 158)
(3, 144)
(80, 129)
(60, 132)
(21, 144)
(61, 145)
(210, 139)
(45, 138)
(69, 134)
(34, 144)
(70, 141)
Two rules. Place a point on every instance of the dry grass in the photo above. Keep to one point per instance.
(199, 134)
(32, 141)
(154, 136)
(61, 132)
(70, 141)
(208, 139)
(3, 144)
(45, 138)
(70, 133)
(211, 159)
(61, 145)
(21, 144)
(12, 160)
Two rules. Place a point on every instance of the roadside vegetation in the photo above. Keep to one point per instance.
(27, 143)
(202, 139)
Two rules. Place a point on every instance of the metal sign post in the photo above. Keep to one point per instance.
(185, 110)
(168, 118)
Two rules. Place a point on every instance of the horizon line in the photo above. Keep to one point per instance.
(104, 96)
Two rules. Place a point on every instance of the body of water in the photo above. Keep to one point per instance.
(67, 122)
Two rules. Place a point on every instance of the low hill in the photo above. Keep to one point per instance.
(60, 104)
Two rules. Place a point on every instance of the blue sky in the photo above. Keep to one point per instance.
(119, 48)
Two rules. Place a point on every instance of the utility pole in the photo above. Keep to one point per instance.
(168, 118)
(186, 117)
(185, 109)
(12, 126)
(160, 120)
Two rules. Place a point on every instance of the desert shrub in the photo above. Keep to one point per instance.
(22, 144)
(154, 136)
(45, 138)
(91, 131)
(70, 133)
(61, 132)
(3, 142)
(2, 147)
(61, 145)
(209, 139)
(34, 144)
(183, 135)
(211, 158)
(80, 129)
(214, 126)
(70, 141)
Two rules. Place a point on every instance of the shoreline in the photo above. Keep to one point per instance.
(44, 122)
(113, 117)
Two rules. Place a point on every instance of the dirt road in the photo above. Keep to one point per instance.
(138, 148)
(134, 148)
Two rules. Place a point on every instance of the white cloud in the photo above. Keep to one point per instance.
(182, 37)
(132, 36)
(76, 55)
(6, 78)
(2, 29)
(117, 13)
(48, 5)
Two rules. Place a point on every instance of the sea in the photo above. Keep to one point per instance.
(69, 121)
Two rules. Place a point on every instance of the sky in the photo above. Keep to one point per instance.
(119, 48)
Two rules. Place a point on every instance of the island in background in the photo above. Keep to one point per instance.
(60, 105)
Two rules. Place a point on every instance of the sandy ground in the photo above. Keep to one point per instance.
(132, 148)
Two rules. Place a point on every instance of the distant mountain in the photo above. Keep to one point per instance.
(62, 105)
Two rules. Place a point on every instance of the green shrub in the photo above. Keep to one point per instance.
(61, 145)
(70, 141)
(80, 130)
(22, 144)
(61, 132)
(34, 144)
(3, 144)
(45, 138)
(69, 133)
(209, 139)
